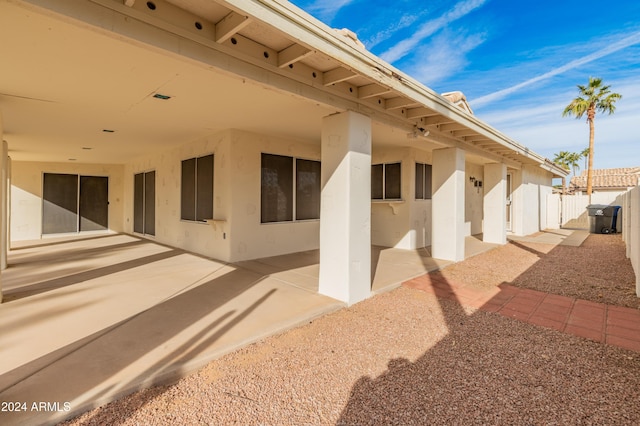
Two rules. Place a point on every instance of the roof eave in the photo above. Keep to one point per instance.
(312, 32)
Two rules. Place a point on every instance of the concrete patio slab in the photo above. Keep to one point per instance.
(89, 319)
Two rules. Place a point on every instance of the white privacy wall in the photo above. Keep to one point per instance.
(631, 230)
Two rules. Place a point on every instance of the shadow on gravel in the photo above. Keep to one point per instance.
(490, 369)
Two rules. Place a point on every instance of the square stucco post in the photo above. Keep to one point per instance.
(3, 198)
(495, 204)
(345, 210)
(448, 209)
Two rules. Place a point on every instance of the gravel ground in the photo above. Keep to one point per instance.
(598, 270)
(405, 357)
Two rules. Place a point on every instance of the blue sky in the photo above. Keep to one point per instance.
(517, 65)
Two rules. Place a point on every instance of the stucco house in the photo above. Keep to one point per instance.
(239, 129)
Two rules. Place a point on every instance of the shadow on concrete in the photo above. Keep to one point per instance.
(150, 348)
(57, 241)
(71, 252)
(211, 314)
(81, 275)
(165, 371)
(40, 264)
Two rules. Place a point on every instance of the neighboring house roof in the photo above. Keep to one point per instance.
(619, 178)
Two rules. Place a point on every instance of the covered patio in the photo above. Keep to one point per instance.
(218, 127)
(88, 319)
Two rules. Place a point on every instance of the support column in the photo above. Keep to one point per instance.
(3, 198)
(448, 209)
(345, 211)
(494, 228)
(4, 204)
(8, 186)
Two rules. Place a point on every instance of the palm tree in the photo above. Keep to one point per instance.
(593, 97)
(573, 159)
(562, 160)
(585, 154)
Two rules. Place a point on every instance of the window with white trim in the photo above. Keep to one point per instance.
(423, 181)
(386, 181)
(196, 196)
(290, 189)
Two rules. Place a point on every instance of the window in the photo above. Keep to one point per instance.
(287, 182)
(144, 203)
(74, 203)
(307, 189)
(386, 181)
(197, 189)
(423, 181)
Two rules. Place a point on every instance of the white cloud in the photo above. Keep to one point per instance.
(400, 24)
(627, 41)
(445, 55)
(429, 28)
(327, 10)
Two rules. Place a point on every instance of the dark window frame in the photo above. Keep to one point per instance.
(82, 201)
(144, 202)
(196, 196)
(424, 190)
(384, 172)
(293, 211)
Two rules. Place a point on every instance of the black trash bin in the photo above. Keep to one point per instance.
(602, 218)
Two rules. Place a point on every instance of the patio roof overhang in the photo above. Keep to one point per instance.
(50, 90)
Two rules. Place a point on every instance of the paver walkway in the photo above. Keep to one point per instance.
(614, 325)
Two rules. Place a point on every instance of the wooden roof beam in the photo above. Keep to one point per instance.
(448, 127)
(292, 54)
(483, 143)
(399, 102)
(230, 25)
(464, 132)
(372, 90)
(434, 120)
(337, 75)
(420, 112)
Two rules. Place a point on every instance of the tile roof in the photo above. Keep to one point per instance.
(624, 177)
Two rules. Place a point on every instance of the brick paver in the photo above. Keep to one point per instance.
(614, 325)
